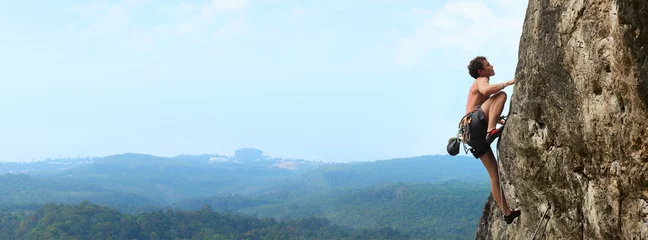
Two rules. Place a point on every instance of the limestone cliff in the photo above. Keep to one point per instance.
(575, 148)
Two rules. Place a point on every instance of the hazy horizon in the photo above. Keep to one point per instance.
(334, 81)
(219, 154)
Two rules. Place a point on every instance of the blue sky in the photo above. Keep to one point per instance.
(325, 80)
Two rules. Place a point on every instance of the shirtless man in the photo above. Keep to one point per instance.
(484, 106)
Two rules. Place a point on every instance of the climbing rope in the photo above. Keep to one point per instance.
(540, 223)
(498, 165)
(544, 215)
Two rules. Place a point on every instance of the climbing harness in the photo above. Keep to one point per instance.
(463, 136)
(464, 129)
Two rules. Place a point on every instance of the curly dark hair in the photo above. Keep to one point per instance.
(476, 64)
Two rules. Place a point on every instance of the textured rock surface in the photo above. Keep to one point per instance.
(576, 142)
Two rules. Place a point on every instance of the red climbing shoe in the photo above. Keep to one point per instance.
(493, 134)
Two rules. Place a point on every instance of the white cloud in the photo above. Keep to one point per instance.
(113, 22)
(114, 18)
(293, 14)
(203, 17)
(215, 6)
(416, 13)
(463, 25)
(90, 8)
(230, 29)
(228, 5)
(118, 21)
(140, 41)
(299, 11)
(105, 17)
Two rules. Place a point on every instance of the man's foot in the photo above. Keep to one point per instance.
(502, 120)
(493, 134)
(514, 214)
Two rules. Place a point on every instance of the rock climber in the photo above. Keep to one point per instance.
(484, 106)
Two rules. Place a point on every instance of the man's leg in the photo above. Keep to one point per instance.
(488, 159)
(493, 109)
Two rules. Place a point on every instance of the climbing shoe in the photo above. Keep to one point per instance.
(493, 134)
(514, 214)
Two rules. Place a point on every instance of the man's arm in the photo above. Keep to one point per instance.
(488, 89)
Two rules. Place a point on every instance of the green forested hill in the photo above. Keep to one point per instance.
(24, 192)
(423, 169)
(448, 210)
(427, 196)
(163, 181)
(89, 221)
(173, 179)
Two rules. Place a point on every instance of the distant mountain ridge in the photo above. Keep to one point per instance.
(242, 156)
(186, 176)
(354, 194)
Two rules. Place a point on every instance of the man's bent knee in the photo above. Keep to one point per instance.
(500, 95)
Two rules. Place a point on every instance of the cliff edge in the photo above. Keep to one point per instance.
(574, 153)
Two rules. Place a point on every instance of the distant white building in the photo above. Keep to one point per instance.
(219, 159)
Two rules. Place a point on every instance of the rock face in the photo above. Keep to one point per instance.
(574, 154)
